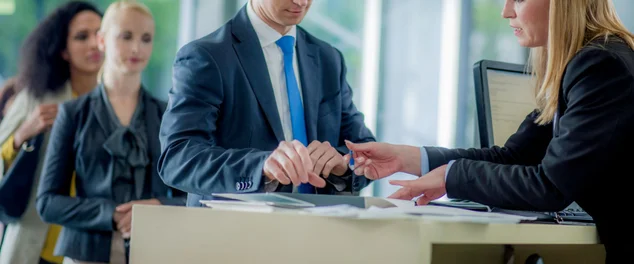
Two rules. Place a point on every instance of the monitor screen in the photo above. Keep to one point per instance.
(511, 97)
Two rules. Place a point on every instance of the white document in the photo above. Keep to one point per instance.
(380, 208)
(238, 206)
(348, 211)
(454, 214)
(401, 203)
(427, 212)
(342, 210)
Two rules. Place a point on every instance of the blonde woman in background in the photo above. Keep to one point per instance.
(576, 147)
(109, 138)
(59, 60)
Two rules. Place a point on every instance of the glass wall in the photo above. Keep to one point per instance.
(26, 14)
(488, 37)
(427, 49)
(341, 24)
(410, 77)
(413, 55)
(625, 9)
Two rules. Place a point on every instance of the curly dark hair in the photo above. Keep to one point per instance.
(42, 69)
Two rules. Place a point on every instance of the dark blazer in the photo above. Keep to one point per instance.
(76, 144)
(17, 184)
(587, 159)
(222, 122)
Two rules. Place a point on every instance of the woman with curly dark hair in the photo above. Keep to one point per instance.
(59, 60)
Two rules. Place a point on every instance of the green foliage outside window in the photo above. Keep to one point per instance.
(27, 13)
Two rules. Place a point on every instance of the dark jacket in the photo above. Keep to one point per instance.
(583, 156)
(222, 120)
(76, 145)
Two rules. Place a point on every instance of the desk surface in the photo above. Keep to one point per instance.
(163, 234)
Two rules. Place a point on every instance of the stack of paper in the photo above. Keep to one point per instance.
(464, 204)
(428, 212)
(375, 208)
(245, 206)
(444, 213)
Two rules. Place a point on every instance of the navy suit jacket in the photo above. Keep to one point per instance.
(222, 122)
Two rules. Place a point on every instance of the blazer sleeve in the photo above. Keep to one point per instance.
(190, 158)
(352, 128)
(53, 201)
(597, 89)
(17, 183)
(527, 146)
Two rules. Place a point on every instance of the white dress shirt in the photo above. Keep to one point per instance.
(275, 64)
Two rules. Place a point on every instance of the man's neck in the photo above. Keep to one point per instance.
(261, 13)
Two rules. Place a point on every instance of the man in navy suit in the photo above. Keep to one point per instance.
(258, 105)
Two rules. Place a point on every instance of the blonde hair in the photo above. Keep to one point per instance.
(112, 14)
(572, 25)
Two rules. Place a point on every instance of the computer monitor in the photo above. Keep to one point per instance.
(505, 95)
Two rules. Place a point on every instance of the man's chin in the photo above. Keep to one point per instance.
(292, 21)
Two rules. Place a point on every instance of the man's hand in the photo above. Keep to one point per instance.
(291, 163)
(327, 160)
(40, 120)
(123, 215)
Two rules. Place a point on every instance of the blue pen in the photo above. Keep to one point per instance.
(351, 162)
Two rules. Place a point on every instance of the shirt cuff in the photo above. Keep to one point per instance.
(340, 183)
(270, 185)
(448, 168)
(424, 161)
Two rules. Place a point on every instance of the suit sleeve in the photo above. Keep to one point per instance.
(352, 128)
(191, 159)
(527, 146)
(17, 183)
(53, 201)
(597, 90)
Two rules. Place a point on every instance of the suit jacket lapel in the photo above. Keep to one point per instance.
(309, 71)
(251, 58)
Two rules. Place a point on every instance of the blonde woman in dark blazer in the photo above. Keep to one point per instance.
(109, 139)
(577, 146)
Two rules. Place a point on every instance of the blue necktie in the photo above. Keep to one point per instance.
(286, 43)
